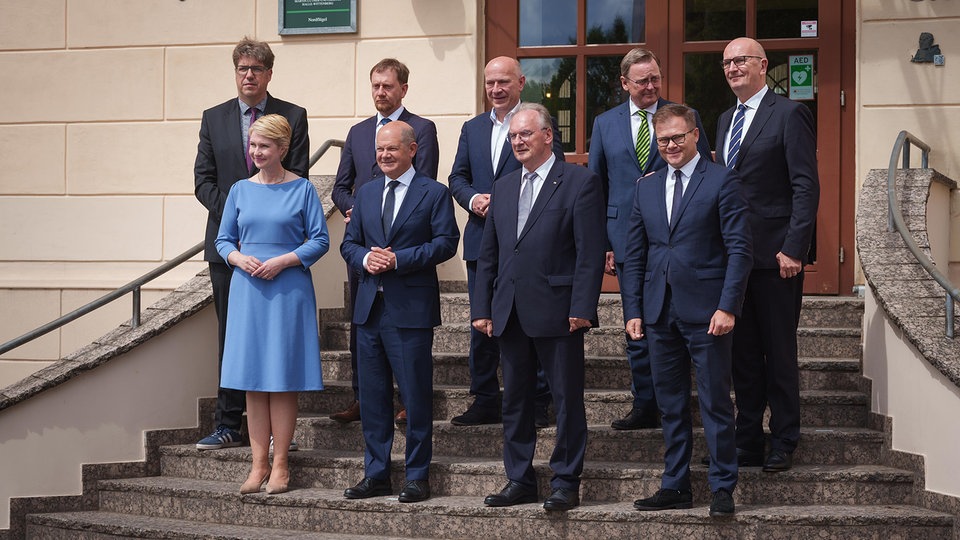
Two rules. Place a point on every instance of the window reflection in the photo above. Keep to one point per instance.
(548, 22)
(705, 89)
(616, 21)
(781, 18)
(552, 83)
(708, 20)
(604, 90)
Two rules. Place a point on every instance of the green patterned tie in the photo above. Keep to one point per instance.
(643, 140)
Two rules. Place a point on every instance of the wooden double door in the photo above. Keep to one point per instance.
(570, 52)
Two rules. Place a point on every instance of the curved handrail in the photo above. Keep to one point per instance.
(896, 222)
(135, 285)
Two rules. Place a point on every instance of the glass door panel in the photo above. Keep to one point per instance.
(552, 82)
(548, 22)
(782, 18)
(616, 21)
(711, 20)
(604, 90)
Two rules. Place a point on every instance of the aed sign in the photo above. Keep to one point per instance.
(801, 76)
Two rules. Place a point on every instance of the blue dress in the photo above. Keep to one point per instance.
(272, 342)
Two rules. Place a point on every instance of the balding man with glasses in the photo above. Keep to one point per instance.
(222, 160)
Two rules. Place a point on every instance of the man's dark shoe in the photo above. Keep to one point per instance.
(401, 418)
(511, 494)
(778, 461)
(415, 491)
(666, 499)
(541, 418)
(369, 487)
(350, 414)
(476, 416)
(722, 505)
(636, 419)
(562, 499)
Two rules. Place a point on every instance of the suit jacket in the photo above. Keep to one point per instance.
(424, 234)
(705, 255)
(778, 166)
(473, 172)
(358, 159)
(613, 156)
(221, 159)
(553, 271)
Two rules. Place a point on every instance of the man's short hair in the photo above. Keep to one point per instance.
(674, 110)
(637, 56)
(258, 50)
(542, 113)
(398, 67)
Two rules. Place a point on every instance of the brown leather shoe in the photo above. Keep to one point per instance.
(350, 414)
(401, 418)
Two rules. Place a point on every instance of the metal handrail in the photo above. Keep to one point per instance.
(895, 220)
(135, 285)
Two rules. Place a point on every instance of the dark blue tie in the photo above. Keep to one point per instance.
(677, 197)
(388, 204)
(735, 135)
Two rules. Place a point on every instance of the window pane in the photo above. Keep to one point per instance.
(603, 88)
(548, 22)
(552, 82)
(705, 89)
(616, 21)
(781, 18)
(708, 20)
(778, 75)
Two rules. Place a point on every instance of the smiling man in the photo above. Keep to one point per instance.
(684, 276)
(222, 159)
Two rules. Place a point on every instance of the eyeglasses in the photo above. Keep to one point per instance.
(257, 70)
(523, 135)
(738, 61)
(654, 80)
(677, 139)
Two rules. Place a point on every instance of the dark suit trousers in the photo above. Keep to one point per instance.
(765, 368)
(673, 345)
(385, 351)
(353, 278)
(641, 381)
(562, 359)
(230, 402)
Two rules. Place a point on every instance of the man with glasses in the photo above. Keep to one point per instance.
(483, 157)
(771, 141)
(689, 234)
(222, 159)
(358, 165)
(539, 246)
(621, 152)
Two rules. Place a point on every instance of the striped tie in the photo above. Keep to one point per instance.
(643, 140)
(735, 135)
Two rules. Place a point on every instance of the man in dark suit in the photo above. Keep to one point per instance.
(771, 141)
(483, 157)
(222, 159)
(621, 153)
(684, 275)
(538, 283)
(401, 228)
(358, 165)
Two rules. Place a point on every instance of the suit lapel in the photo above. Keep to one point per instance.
(374, 208)
(415, 194)
(723, 127)
(550, 185)
(367, 150)
(505, 153)
(234, 135)
(692, 186)
(764, 112)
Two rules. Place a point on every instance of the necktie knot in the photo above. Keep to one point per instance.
(385, 121)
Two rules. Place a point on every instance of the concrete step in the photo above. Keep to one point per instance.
(821, 408)
(319, 509)
(612, 372)
(818, 446)
(112, 525)
(601, 481)
(610, 341)
(818, 311)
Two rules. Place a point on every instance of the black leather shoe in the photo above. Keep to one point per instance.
(562, 499)
(778, 461)
(415, 491)
(636, 419)
(369, 487)
(666, 499)
(722, 505)
(476, 416)
(540, 417)
(511, 494)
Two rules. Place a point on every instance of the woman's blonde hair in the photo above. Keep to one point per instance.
(276, 128)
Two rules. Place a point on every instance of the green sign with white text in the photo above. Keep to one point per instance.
(801, 77)
(317, 16)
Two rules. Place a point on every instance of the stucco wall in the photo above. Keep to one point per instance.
(102, 109)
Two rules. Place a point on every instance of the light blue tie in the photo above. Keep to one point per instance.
(735, 135)
(526, 201)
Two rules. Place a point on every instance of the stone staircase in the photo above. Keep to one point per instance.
(838, 487)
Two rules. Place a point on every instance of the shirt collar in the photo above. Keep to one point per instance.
(650, 110)
(544, 169)
(687, 170)
(259, 106)
(393, 116)
(404, 178)
(754, 101)
(506, 119)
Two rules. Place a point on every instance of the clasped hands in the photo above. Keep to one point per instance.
(480, 205)
(485, 326)
(721, 323)
(381, 260)
(252, 265)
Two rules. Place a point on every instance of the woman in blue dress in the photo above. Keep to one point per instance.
(272, 230)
